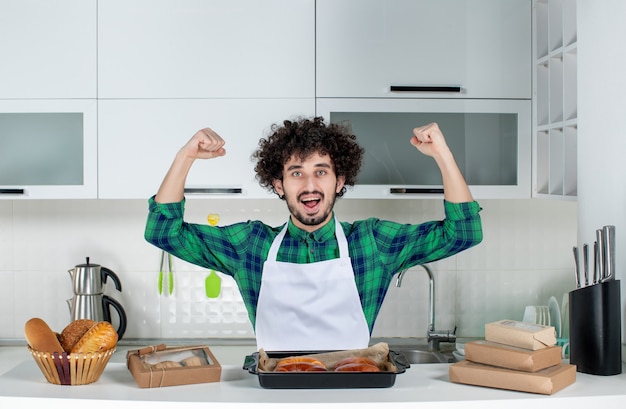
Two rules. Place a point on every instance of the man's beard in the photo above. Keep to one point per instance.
(311, 220)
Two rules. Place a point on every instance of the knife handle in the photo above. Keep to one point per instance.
(586, 262)
(608, 233)
(601, 254)
(576, 266)
(596, 259)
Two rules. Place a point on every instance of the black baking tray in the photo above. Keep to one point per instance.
(323, 380)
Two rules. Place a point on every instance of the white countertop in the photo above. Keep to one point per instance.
(425, 385)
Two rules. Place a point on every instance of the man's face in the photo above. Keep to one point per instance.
(310, 188)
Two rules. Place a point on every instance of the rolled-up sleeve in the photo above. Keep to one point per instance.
(164, 223)
(462, 225)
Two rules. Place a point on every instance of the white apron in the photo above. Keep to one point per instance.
(312, 306)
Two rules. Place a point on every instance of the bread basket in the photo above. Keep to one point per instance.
(72, 369)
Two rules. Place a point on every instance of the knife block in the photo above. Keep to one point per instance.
(595, 329)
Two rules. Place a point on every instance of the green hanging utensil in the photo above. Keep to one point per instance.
(170, 274)
(165, 256)
(160, 282)
(213, 285)
(213, 282)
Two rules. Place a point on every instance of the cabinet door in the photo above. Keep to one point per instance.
(206, 48)
(138, 140)
(48, 49)
(483, 47)
(48, 149)
(490, 140)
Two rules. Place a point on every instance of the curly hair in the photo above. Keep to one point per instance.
(304, 137)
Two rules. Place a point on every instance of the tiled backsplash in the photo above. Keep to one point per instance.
(524, 259)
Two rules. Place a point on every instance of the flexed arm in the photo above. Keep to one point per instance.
(429, 140)
(205, 144)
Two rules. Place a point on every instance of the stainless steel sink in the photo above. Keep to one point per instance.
(424, 356)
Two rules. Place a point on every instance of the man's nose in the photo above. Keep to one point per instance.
(309, 183)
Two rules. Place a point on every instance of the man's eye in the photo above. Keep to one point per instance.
(296, 174)
(321, 172)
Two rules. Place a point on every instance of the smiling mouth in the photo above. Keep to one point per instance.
(311, 203)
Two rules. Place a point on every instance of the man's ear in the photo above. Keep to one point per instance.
(341, 180)
(278, 187)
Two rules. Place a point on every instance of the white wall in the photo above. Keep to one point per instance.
(524, 259)
(601, 130)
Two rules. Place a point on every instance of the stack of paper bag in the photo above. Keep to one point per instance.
(515, 356)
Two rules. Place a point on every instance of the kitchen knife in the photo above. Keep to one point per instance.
(608, 233)
(586, 262)
(596, 267)
(601, 266)
(576, 266)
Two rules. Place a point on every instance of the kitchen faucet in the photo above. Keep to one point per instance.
(433, 336)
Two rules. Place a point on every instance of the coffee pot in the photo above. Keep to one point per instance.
(89, 301)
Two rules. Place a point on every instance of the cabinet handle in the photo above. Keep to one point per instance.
(409, 190)
(11, 191)
(425, 88)
(212, 190)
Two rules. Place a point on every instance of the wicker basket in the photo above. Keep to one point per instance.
(71, 369)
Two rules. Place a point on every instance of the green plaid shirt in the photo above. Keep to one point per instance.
(378, 248)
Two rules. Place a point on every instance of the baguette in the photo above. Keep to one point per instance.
(40, 337)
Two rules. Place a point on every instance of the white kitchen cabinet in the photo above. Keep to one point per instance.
(138, 140)
(48, 49)
(555, 123)
(48, 149)
(206, 49)
(490, 140)
(483, 47)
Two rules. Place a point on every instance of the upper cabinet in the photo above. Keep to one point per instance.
(555, 100)
(167, 68)
(48, 49)
(206, 49)
(490, 140)
(138, 140)
(48, 149)
(423, 49)
(48, 86)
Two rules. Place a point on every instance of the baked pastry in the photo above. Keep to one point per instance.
(357, 368)
(167, 364)
(357, 364)
(299, 364)
(40, 337)
(100, 337)
(193, 361)
(300, 367)
(73, 332)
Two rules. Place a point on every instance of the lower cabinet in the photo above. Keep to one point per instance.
(138, 140)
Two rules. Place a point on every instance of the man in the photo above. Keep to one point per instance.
(314, 283)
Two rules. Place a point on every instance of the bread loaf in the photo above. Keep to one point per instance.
(100, 337)
(73, 332)
(40, 337)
